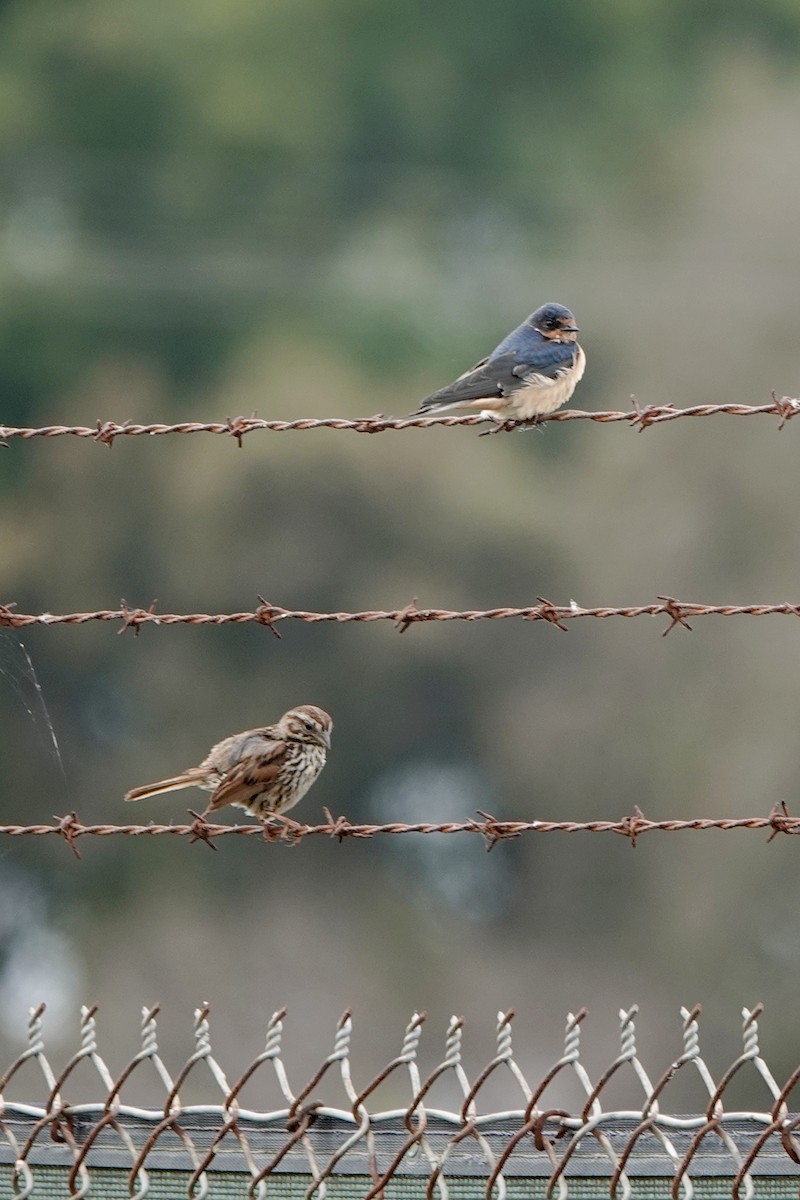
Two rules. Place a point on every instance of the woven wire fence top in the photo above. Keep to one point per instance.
(639, 417)
(330, 1129)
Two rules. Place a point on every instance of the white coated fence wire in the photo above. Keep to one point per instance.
(309, 1147)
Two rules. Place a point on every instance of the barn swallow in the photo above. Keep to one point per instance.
(532, 372)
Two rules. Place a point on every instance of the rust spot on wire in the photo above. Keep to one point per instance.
(780, 820)
(373, 424)
(134, 618)
(106, 431)
(504, 427)
(237, 427)
(547, 612)
(200, 831)
(304, 1117)
(632, 827)
(70, 828)
(339, 826)
(406, 616)
(495, 831)
(265, 614)
(786, 407)
(643, 418)
(675, 610)
(789, 1145)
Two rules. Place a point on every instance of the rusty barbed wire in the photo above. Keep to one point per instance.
(490, 828)
(639, 417)
(438, 1132)
(679, 612)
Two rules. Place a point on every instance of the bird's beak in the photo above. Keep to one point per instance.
(325, 738)
(570, 329)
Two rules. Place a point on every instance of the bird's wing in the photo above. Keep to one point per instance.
(503, 374)
(545, 361)
(227, 753)
(259, 762)
(487, 378)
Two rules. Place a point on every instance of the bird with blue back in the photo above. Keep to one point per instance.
(533, 371)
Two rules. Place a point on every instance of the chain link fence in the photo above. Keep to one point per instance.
(312, 1146)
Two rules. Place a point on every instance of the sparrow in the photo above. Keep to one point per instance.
(533, 371)
(265, 770)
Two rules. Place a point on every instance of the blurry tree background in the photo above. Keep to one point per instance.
(210, 207)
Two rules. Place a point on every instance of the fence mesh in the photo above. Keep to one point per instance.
(311, 1146)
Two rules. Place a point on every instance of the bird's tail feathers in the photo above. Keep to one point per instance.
(432, 405)
(188, 779)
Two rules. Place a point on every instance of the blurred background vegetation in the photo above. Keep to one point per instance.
(210, 207)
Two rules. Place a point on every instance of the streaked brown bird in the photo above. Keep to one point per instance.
(265, 771)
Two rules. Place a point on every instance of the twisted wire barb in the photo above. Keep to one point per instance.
(639, 417)
(679, 612)
(492, 830)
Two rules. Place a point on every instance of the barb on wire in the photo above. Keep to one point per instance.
(271, 615)
(491, 829)
(532, 1145)
(638, 417)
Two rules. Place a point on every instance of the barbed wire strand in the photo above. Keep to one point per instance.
(270, 615)
(639, 417)
(492, 830)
